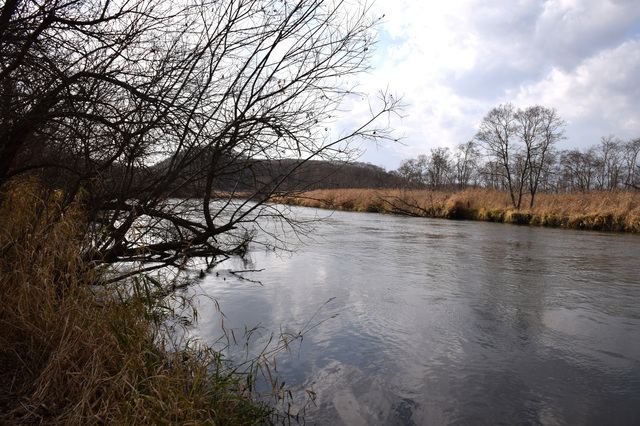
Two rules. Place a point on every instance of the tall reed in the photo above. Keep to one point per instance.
(607, 210)
(74, 351)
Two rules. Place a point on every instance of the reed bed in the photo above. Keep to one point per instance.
(607, 210)
(72, 355)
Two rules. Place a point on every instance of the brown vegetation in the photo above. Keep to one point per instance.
(605, 210)
(72, 355)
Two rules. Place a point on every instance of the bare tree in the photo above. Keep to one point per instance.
(549, 180)
(414, 170)
(529, 126)
(520, 141)
(610, 155)
(631, 150)
(498, 133)
(467, 159)
(439, 167)
(492, 176)
(131, 104)
(541, 129)
(579, 169)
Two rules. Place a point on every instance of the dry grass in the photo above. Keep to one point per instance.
(69, 356)
(611, 211)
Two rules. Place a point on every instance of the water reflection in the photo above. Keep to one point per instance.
(447, 322)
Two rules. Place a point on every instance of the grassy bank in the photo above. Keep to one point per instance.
(608, 211)
(69, 355)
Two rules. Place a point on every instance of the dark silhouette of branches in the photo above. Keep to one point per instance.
(133, 105)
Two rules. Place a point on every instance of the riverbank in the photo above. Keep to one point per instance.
(617, 211)
(77, 356)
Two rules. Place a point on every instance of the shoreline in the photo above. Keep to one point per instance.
(612, 211)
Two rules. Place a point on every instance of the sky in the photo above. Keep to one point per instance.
(455, 60)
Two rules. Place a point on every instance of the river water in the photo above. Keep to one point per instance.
(446, 322)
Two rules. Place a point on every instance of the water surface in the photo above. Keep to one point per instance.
(448, 322)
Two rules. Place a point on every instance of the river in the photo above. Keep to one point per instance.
(446, 322)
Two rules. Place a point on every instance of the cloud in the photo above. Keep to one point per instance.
(598, 97)
(569, 30)
(456, 60)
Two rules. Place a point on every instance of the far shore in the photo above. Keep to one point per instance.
(617, 211)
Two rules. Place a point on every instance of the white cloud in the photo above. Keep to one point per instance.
(456, 60)
(598, 97)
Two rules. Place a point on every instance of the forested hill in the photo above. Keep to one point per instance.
(262, 176)
(328, 175)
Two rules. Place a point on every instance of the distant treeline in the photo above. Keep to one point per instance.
(612, 164)
(290, 175)
(514, 151)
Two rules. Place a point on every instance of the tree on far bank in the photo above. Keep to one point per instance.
(545, 129)
(497, 133)
(632, 169)
(610, 163)
(439, 168)
(608, 166)
(467, 158)
(520, 141)
(434, 170)
(413, 170)
(578, 170)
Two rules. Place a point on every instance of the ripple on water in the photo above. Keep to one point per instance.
(446, 322)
